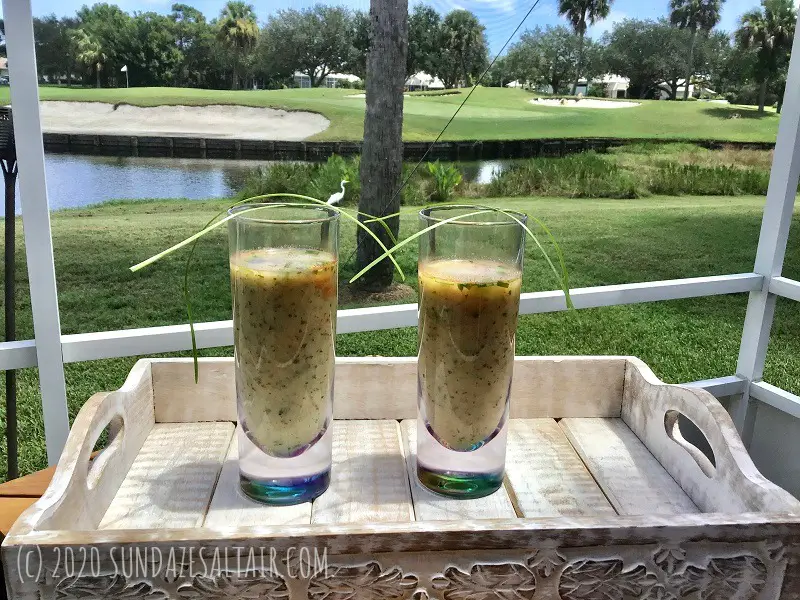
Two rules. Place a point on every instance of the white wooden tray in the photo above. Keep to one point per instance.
(603, 499)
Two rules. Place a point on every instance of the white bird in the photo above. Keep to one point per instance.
(336, 198)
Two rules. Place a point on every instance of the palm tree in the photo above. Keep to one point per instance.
(88, 51)
(238, 30)
(770, 31)
(581, 14)
(381, 168)
(696, 16)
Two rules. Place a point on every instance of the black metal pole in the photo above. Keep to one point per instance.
(10, 176)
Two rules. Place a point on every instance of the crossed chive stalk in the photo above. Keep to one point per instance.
(266, 201)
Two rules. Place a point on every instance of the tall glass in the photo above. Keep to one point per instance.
(284, 285)
(470, 275)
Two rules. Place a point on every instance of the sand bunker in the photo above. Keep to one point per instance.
(216, 121)
(583, 103)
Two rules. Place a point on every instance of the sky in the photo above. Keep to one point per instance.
(499, 16)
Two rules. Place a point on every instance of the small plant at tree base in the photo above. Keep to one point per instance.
(446, 179)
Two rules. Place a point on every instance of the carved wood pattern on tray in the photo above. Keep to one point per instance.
(698, 571)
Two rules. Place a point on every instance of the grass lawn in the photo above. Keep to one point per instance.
(491, 113)
(606, 242)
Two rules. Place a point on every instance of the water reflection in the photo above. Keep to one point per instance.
(74, 181)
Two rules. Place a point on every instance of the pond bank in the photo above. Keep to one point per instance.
(249, 149)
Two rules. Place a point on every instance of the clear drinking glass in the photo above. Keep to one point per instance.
(470, 275)
(284, 285)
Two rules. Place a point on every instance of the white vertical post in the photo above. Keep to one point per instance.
(36, 221)
(771, 245)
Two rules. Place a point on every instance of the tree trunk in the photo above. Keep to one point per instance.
(382, 152)
(690, 66)
(580, 65)
(98, 76)
(762, 96)
(323, 75)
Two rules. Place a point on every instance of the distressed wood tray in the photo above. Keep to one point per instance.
(604, 499)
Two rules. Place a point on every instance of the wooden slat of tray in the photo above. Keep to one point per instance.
(593, 385)
(172, 478)
(545, 476)
(369, 482)
(632, 479)
(231, 508)
(430, 507)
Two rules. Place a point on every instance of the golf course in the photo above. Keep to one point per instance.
(491, 113)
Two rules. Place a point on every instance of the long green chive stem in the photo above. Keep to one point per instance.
(412, 238)
(214, 224)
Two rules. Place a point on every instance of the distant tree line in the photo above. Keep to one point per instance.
(748, 67)
(233, 51)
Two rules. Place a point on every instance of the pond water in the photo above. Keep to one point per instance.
(74, 181)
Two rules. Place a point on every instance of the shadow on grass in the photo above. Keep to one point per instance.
(730, 112)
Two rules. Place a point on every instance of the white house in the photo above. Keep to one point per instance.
(332, 80)
(615, 85)
(3, 66)
(422, 81)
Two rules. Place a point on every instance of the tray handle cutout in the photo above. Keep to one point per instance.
(97, 465)
(82, 488)
(705, 461)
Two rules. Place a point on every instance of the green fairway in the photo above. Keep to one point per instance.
(605, 241)
(491, 113)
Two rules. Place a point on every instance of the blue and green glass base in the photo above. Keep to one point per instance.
(454, 484)
(285, 491)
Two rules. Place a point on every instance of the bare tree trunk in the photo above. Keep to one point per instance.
(580, 65)
(673, 89)
(690, 66)
(98, 76)
(762, 96)
(382, 152)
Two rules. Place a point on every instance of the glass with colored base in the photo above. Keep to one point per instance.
(284, 274)
(470, 275)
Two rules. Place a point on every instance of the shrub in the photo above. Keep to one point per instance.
(446, 178)
(597, 91)
(657, 148)
(328, 177)
(674, 179)
(586, 175)
(435, 93)
(278, 178)
(320, 180)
